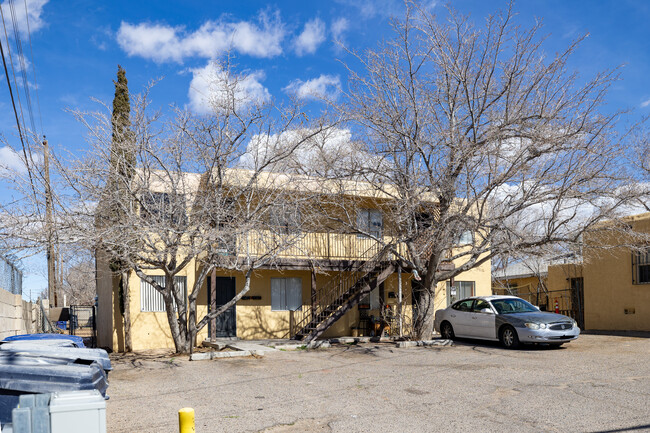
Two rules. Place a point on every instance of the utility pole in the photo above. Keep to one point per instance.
(49, 225)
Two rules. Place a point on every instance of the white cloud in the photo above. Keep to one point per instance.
(11, 163)
(339, 27)
(34, 12)
(311, 37)
(325, 86)
(369, 9)
(330, 152)
(645, 103)
(213, 89)
(163, 43)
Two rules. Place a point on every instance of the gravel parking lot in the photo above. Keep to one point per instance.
(596, 384)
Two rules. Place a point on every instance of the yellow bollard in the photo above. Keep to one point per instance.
(186, 420)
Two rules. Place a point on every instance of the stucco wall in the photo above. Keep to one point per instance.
(608, 287)
(255, 318)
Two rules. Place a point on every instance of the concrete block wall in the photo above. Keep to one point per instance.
(17, 316)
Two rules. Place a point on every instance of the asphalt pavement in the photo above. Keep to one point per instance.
(598, 383)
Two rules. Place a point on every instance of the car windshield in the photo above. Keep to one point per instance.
(512, 305)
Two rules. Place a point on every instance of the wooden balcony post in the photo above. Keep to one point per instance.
(313, 293)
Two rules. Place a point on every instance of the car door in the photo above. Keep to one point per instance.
(482, 324)
(460, 317)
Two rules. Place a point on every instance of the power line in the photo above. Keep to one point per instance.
(23, 66)
(13, 104)
(31, 52)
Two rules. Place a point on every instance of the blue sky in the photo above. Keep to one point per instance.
(285, 46)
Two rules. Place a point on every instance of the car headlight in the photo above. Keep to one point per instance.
(575, 324)
(533, 325)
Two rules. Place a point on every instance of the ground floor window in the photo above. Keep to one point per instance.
(151, 300)
(372, 300)
(286, 294)
(641, 267)
(459, 290)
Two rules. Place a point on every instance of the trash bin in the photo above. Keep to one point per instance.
(78, 412)
(31, 374)
(30, 348)
(78, 341)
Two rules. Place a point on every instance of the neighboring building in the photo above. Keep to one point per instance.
(617, 280)
(545, 283)
(280, 297)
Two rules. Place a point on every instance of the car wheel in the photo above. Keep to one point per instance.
(447, 331)
(509, 337)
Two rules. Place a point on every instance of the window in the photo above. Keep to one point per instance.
(464, 305)
(163, 207)
(285, 218)
(480, 304)
(370, 221)
(286, 294)
(466, 237)
(373, 299)
(151, 300)
(641, 267)
(459, 290)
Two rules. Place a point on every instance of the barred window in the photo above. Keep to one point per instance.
(641, 267)
(151, 300)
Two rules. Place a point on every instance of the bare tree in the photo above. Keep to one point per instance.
(487, 145)
(188, 204)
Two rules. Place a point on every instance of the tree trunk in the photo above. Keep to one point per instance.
(425, 313)
(178, 335)
(126, 314)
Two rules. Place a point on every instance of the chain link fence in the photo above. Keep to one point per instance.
(11, 279)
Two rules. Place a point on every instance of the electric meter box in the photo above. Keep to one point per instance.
(78, 412)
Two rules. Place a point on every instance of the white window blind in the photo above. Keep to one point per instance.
(286, 294)
(151, 300)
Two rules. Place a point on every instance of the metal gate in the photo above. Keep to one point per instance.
(570, 302)
(82, 323)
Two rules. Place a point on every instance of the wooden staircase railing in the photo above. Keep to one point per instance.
(334, 296)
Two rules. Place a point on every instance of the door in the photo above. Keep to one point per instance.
(224, 325)
(460, 318)
(482, 324)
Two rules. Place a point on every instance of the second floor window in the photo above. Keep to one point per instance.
(285, 218)
(641, 267)
(370, 221)
(162, 207)
(466, 237)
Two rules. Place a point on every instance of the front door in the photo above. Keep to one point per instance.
(224, 325)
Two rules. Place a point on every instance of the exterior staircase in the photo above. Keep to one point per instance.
(339, 296)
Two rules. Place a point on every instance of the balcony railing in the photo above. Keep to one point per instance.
(315, 246)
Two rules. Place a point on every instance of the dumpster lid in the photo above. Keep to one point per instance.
(70, 401)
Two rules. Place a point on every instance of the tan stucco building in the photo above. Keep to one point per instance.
(617, 280)
(281, 295)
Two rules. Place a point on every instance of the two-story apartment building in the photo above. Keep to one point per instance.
(312, 283)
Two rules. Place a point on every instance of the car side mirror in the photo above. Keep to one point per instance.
(487, 310)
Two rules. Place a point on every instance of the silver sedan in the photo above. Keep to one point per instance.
(508, 319)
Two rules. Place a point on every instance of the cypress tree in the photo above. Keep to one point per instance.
(122, 166)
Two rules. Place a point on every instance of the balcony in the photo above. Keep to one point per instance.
(309, 246)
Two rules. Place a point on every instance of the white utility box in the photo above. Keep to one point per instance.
(78, 412)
